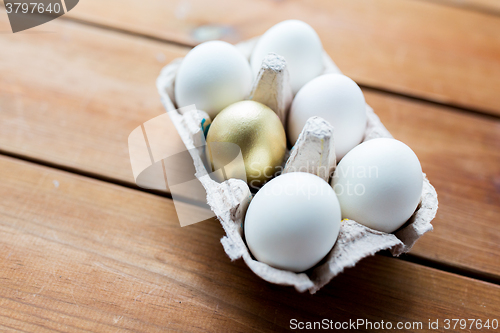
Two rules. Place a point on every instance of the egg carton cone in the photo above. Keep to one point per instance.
(272, 86)
(314, 148)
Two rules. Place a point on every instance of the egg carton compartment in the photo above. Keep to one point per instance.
(230, 199)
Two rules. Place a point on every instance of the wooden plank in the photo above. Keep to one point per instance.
(81, 254)
(436, 52)
(485, 6)
(101, 87)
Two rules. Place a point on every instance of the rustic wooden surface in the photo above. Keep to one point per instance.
(484, 6)
(81, 253)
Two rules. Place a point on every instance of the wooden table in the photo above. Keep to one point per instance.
(83, 249)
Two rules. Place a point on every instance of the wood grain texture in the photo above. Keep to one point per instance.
(486, 6)
(72, 97)
(460, 153)
(436, 52)
(81, 254)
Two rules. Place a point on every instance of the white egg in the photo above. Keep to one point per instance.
(337, 99)
(379, 184)
(293, 221)
(299, 44)
(212, 76)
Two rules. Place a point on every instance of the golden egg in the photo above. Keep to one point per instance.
(257, 131)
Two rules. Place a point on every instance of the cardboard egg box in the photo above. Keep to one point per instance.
(230, 199)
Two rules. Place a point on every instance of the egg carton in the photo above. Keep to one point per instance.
(230, 199)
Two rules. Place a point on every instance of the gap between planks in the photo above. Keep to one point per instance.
(483, 7)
